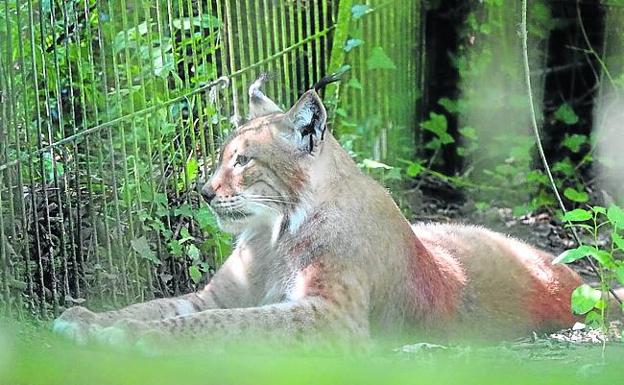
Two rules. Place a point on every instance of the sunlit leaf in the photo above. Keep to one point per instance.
(584, 299)
(577, 215)
(575, 195)
(413, 170)
(572, 254)
(616, 216)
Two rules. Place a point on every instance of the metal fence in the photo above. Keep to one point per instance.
(112, 110)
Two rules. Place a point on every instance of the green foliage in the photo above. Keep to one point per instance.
(596, 222)
(359, 10)
(584, 299)
(566, 114)
(380, 60)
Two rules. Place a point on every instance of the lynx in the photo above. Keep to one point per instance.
(323, 252)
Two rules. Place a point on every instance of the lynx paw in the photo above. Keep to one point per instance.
(74, 324)
(128, 333)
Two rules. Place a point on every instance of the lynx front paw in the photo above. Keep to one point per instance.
(75, 324)
(128, 333)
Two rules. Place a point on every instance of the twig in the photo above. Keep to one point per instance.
(538, 140)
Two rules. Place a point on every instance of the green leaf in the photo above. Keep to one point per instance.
(192, 252)
(369, 163)
(206, 219)
(452, 106)
(619, 272)
(575, 195)
(192, 170)
(566, 114)
(616, 216)
(378, 59)
(438, 124)
(482, 206)
(602, 256)
(565, 167)
(175, 247)
(574, 142)
(584, 299)
(359, 10)
(469, 132)
(144, 250)
(594, 319)
(352, 43)
(577, 215)
(572, 254)
(618, 240)
(414, 170)
(355, 84)
(599, 210)
(195, 274)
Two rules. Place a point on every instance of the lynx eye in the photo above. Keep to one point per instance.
(242, 160)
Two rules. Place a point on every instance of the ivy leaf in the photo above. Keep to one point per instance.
(584, 299)
(577, 215)
(616, 216)
(575, 195)
(379, 60)
(359, 10)
(566, 114)
(352, 43)
(369, 163)
(143, 248)
(195, 274)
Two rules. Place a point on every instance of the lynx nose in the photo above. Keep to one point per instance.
(208, 193)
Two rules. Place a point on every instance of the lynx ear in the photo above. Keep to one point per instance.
(309, 120)
(259, 103)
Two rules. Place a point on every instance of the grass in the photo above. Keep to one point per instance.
(30, 354)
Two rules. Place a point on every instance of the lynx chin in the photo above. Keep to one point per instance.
(323, 253)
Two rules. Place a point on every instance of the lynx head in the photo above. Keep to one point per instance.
(263, 168)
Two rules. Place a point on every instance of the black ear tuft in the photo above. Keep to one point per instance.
(259, 103)
(309, 119)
